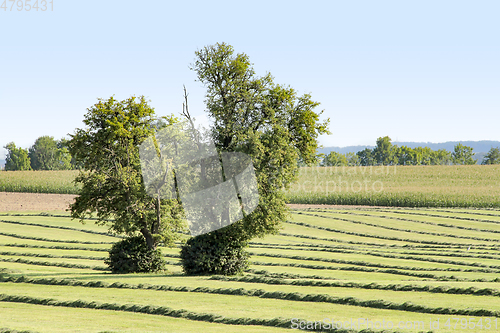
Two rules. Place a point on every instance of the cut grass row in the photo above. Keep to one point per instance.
(394, 299)
(374, 278)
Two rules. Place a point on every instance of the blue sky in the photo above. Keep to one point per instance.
(416, 71)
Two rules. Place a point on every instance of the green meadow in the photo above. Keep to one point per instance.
(372, 268)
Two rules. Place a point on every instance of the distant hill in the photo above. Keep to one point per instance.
(480, 147)
(2, 163)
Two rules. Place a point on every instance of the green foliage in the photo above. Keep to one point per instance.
(112, 184)
(17, 158)
(269, 122)
(216, 252)
(132, 255)
(493, 157)
(366, 157)
(463, 155)
(335, 159)
(46, 154)
(384, 153)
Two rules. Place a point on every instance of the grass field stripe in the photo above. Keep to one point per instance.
(338, 284)
(149, 309)
(367, 264)
(401, 255)
(443, 216)
(323, 298)
(370, 270)
(54, 247)
(61, 227)
(410, 220)
(255, 292)
(308, 225)
(42, 255)
(54, 264)
(403, 230)
(51, 240)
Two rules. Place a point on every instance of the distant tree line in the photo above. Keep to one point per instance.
(45, 154)
(385, 153)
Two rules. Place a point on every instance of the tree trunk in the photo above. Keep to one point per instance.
(147, 235)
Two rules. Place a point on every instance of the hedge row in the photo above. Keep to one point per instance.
(403, 230)
(62, 227)
(290, 296)
(55, 264)
(393, 287)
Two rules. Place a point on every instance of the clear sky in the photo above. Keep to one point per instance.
(413, 70)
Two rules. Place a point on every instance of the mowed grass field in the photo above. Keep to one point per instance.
(400, 269)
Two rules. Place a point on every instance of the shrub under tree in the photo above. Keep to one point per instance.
(132, 255)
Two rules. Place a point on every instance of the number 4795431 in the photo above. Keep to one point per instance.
(27, 5)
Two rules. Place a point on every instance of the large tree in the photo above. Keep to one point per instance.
(112, 184)
(269, 122)
(366, 157)
(48, 154)
(17, 158)
(335, 159)
(463, 155)
(493, 157)
(385, 153)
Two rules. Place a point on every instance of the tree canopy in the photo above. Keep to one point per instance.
(48, 154)
(112, 184)
(17, 158)
(493, 157)
(463, 155)
(271, 123)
